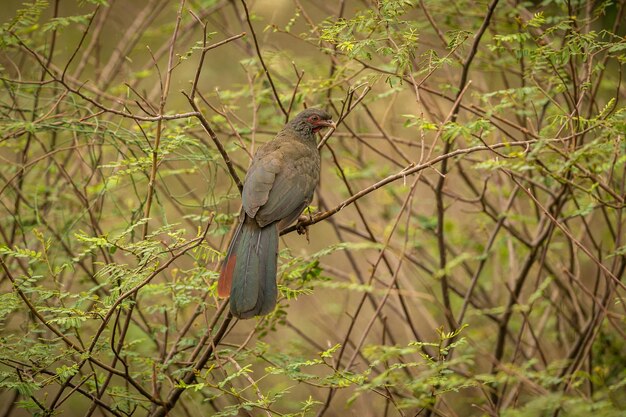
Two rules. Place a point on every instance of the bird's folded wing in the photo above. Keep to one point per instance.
(259, 182)
(292, 191)
(278, 184)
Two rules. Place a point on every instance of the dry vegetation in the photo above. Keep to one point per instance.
(465, 253)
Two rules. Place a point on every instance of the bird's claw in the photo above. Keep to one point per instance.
(301, 227)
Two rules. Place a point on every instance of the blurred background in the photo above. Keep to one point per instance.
(465, 254)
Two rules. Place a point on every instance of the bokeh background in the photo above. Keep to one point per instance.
(464, 253)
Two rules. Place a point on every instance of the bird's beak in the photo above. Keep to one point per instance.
(328, 123)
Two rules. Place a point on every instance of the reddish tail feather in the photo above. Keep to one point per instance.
(226, 277)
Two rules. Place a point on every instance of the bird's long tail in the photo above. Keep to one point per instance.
(249, 270)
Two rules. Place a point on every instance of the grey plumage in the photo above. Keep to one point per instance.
(278, 186)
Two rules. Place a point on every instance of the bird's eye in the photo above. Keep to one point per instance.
(315, 118)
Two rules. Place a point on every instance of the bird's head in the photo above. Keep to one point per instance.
(311, 121)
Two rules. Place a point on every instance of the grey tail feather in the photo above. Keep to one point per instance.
(253, 291)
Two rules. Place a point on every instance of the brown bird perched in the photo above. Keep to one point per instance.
(278, 186)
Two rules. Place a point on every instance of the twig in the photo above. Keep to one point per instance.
(260, 56)
(207, 128)
(408, 170)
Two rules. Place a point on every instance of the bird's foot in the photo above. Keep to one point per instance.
(301, 227)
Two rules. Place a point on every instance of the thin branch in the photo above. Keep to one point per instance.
(260, 56)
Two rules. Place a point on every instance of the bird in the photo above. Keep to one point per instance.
(278, 186)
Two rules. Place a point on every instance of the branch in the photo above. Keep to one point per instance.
(571, 237)
(190, 376)
(258, 52)
(218, 144)
(408, 170)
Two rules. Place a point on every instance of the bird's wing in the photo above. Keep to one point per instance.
(260, 178)
(281, 180)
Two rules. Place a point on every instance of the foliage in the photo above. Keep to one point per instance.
(465, 256)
